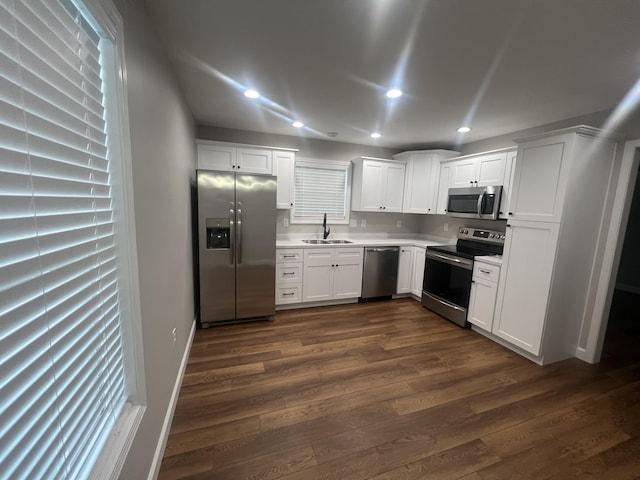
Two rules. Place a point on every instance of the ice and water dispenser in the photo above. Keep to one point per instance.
(218, 233)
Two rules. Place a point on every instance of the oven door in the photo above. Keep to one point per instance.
(447, 285)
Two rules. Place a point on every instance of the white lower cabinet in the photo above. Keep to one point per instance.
(524, 289)
(417, 275)
(405, 269)
(288, 275)
(332, 273)
(484, 291)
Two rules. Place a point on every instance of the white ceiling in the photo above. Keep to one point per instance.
(497, 65)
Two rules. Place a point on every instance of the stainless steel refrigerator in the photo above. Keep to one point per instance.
(236, 246)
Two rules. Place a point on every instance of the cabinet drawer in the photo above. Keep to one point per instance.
(288, 293)
(286, 255)
(486, 271)
(289, 273)
(318, 256)
(349, 255)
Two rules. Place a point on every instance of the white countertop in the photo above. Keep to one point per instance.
(366, 242)
(491, 259)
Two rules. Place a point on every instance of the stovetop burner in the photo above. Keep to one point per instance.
(474, 242)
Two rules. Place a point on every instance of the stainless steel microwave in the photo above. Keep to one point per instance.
(474, 202)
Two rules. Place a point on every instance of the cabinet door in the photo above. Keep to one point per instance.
(347, 281)
(505, 202)
(418, 271)
(490, 169)
(405, 270)
(418, 190)
(214, 157)
(283, 168)
(394, 188)
(443, 188)
(482, 303)
(523, 289)
(255, 160)
(540, 181)
(372, 186)
(317, 284)
(463, 173)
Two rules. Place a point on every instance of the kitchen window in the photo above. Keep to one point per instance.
(321, 186)
(71, 395)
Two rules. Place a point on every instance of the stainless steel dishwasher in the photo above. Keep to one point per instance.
(380, 271)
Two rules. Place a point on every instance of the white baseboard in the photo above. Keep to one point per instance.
(166, 425)
(628, 288)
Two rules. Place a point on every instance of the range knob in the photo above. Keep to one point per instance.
(491, 235)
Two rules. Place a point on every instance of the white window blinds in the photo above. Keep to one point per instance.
(62, 378)
(321, 187)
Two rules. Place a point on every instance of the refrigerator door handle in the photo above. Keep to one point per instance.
(232, 243)
(239, 232)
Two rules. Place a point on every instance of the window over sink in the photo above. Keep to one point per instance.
(321, 186)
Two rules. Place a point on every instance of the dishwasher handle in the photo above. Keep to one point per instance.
(381, 249)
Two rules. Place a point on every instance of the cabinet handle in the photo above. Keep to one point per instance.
(471, 182)
(288, 256)
(510, 213)
(384, 208)
(508, 225)
(285, 294)
(484, 271)
(288, 273)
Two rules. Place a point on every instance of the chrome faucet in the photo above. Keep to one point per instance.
(325, 231)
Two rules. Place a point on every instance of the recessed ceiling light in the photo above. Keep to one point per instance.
(394, 93)
(298, 124)
(376, 135)
(251, 94)
(464, 129)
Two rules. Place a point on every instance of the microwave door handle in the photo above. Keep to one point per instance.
(480, 202)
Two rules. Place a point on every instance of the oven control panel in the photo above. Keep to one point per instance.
(490, 236)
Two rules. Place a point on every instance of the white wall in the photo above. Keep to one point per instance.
(163, 154)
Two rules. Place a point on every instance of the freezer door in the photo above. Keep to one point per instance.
(255, 245)
(216, 222)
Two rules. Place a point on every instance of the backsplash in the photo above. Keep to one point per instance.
(387, 223)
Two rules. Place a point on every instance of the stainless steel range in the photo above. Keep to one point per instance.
(449, 268)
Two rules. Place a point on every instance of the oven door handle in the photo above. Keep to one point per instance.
(456, 262)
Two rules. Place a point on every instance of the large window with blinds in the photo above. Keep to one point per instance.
(321, 186)
(63, 369)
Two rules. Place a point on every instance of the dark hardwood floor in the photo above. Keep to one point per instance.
(389, 390)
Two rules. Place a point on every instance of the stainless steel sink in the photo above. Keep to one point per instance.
(326, 242)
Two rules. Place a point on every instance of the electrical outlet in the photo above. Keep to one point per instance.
(363, 223)
(353, 222)
(174, 335)
(446, 227)
(398, 223)
(285, 222)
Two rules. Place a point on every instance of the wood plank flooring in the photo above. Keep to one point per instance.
(391, 391)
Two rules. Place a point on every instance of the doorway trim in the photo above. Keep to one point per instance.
(613, 249)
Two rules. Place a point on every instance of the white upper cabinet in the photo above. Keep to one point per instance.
(540, 180)
(378, 185)
(505, 203)
(478, 170)
(231, 157)
(421, 179)
(216, 157)
(283, 168)
(254, 160)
